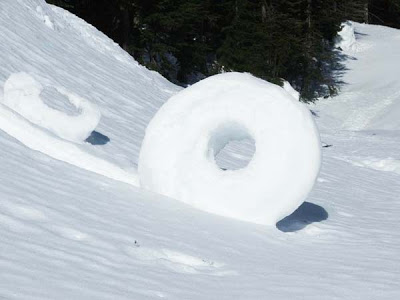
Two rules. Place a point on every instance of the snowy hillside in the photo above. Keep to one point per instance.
(58, 49)
(370, 95)
(73, 225)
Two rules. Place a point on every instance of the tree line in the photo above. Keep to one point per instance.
(187, 40)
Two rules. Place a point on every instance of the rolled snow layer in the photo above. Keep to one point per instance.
(177, 157)
(22, 94)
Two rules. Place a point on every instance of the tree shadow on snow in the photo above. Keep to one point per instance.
(96, 138)
(338, 68)
(306, 214)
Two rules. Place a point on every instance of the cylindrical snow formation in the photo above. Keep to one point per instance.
(177, 157)
(22, 94)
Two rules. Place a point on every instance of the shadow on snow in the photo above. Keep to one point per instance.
(96, 138)
(306, 214)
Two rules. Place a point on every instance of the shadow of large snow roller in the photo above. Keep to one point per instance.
(306, 214)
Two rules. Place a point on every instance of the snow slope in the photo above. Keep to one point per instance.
(73, 54)
(370, 95)
(68, 232)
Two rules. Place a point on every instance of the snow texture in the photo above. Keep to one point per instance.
(44, 17)
(369, 98)
(68, 231)
(22, 94)
(177, 158)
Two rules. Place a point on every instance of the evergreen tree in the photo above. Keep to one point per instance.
(186, 40)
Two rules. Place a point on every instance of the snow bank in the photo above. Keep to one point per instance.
(288, 88)
(177, 157)
(22, 94)
(346, 39)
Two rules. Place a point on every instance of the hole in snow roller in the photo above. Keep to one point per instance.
(231, 147)
(177, 157)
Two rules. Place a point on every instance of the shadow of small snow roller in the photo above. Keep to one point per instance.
(96, 138)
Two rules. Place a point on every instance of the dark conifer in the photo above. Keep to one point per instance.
(186, 40)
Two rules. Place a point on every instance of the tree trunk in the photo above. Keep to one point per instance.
(236, 8)
(366, 13)
(263, 11)
(126, 27)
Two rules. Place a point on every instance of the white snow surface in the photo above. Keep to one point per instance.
(177, 158)
(370, 95)
(69, 232)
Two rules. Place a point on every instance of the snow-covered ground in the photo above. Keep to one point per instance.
(69, 232)
(370, 97)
